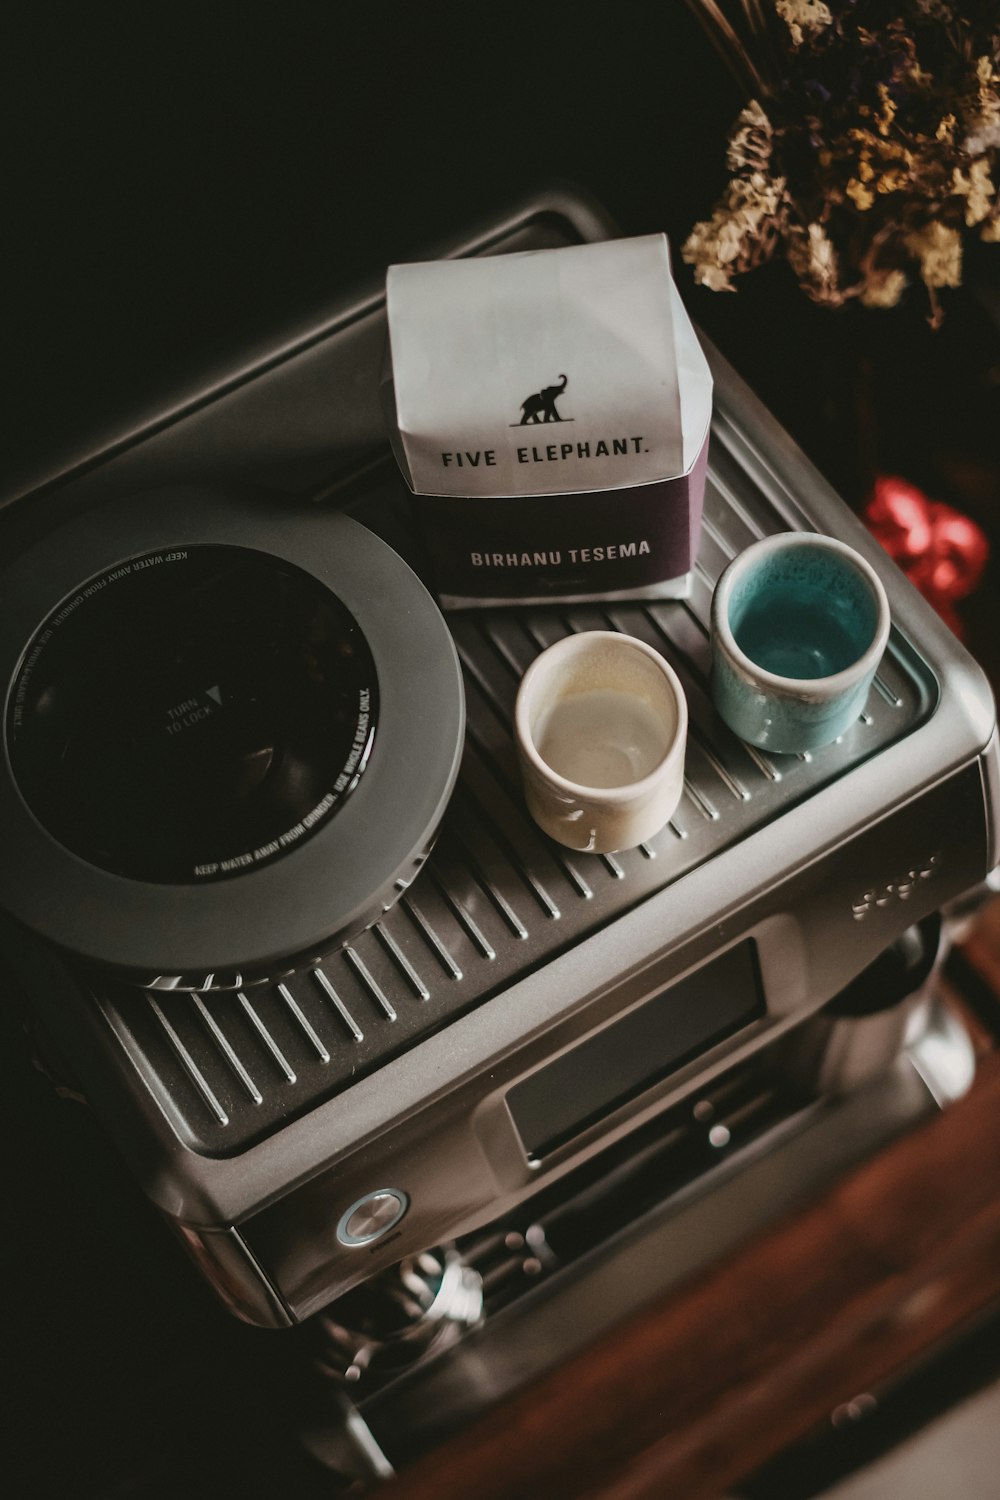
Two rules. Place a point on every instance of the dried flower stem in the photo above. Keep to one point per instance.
(724, 37)
(754, 12)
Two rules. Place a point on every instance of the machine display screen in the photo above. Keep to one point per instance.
(621, 1061)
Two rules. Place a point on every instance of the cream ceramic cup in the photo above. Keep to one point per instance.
(600, 725)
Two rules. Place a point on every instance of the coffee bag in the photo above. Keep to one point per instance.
(550, 413)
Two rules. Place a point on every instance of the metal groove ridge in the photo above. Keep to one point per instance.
(496, 899)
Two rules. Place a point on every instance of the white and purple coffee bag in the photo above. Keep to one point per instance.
(550, 412)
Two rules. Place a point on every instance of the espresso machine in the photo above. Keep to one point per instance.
(451, 1097)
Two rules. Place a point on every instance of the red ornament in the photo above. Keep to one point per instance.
(942, 552)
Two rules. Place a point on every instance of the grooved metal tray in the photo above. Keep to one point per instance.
(497, 899)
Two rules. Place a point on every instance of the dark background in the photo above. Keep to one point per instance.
(180, 179)
(184, 173)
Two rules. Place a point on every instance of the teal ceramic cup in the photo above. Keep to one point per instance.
(799, 625)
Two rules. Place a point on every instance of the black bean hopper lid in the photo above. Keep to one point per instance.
(212, 721)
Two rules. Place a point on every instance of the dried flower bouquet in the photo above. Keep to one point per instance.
(868, 148)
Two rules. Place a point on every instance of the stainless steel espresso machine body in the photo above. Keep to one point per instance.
(654, 1046)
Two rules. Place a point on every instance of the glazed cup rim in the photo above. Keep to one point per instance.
(800, 687)
(576, 644)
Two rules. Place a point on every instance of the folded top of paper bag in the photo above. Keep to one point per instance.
(553, 371)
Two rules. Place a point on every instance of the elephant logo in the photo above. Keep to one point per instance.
(541, 406)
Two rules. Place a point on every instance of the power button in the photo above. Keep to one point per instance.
(372, 1216)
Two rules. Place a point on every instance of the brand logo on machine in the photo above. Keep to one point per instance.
(540, 406)
(901, 889)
